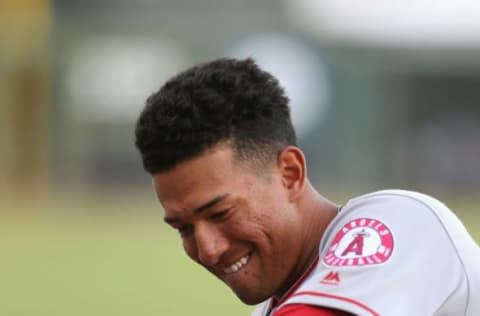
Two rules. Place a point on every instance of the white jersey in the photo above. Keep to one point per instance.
(393, 253)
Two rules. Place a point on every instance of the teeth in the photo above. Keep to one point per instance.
(237, 265)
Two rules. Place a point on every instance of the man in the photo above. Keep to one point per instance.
(220, 146)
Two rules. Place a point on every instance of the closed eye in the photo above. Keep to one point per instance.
(185, 230)
(218, 216)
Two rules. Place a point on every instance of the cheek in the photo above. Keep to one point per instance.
(276, 224)
(257, 226)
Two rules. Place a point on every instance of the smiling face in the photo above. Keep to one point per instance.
(243, 227)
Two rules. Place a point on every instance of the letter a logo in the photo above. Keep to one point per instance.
(356, 245)
(360, 242)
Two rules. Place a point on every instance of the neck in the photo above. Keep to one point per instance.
(317, 213)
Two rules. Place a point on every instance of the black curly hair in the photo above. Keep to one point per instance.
(225, 100)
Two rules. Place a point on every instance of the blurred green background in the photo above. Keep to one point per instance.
(94, 256)
(379, 99)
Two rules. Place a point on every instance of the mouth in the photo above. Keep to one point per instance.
(235, 267)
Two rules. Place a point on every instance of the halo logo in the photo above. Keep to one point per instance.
(360, 242)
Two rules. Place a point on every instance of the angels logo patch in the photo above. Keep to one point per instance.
(360, 242)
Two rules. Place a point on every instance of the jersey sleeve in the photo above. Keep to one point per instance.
(307, 310)
(386, 254)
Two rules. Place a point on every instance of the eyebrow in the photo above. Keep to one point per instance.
(201, 208)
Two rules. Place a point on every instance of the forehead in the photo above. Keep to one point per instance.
(197, 180)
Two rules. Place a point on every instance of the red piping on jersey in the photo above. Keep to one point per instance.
(296, 284)
(340, 298)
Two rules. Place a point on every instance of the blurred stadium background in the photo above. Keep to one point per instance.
(384, 95)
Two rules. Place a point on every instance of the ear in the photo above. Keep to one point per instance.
(293, 170)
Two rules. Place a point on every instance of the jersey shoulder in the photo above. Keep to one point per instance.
(383, 242)
(387, 212)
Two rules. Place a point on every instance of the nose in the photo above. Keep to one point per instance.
(211, 244)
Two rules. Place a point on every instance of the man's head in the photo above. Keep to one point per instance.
(218, 142)
(222, 101)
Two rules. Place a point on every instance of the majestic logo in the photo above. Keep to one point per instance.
(362, 241)
(332, 278)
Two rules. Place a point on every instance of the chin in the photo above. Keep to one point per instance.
(250, 298)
